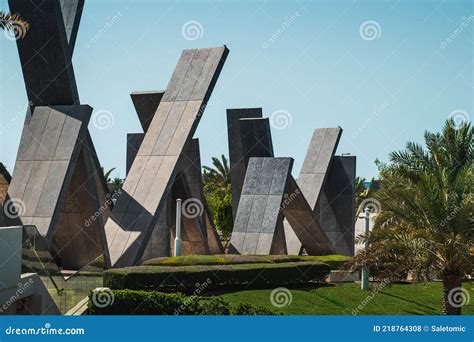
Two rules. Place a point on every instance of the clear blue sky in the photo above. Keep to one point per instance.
(317, 67)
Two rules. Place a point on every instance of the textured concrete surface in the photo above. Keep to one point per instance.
(154, 169)
(259, 221)
(270, 193)
(45, 53)
(313, 175)
(52, 179)
(336, 205)
(249, 136)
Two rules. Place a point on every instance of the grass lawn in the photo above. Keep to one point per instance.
(398, 299)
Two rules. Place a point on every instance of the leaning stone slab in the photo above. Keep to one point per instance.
(269, 194)
(154, 169)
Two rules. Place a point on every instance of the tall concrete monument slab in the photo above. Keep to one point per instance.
(270, 194)
(249, 136)
(327, 182)
(155, 168)
(75, 179)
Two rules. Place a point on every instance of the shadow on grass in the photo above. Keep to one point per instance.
(409, 301)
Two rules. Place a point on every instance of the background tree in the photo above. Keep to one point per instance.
(114, 184)
(218, 192)
(362, 191)
(426, 225)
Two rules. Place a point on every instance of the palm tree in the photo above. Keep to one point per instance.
(362, 192)
(427, 223)
(218, 192)
(9, 21)
(219, 176)
(114, 184)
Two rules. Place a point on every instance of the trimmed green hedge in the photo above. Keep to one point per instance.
(189, 279)
(335, 261)
(219, 259)
(130, 302)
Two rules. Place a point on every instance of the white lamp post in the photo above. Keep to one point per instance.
(364, 283)
(177, 239)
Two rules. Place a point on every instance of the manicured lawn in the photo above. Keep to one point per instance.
(398, 299)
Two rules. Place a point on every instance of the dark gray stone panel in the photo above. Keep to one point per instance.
(134, 141)
(45, 55)
(336, 206)
(146, 103)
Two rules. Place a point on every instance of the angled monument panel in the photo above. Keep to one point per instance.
(134, 141)
(259, 215)
(313, 176)
(238, 159)
(302, 219)
(336, 206)
(45, 55)
(71, 12)
(317, 162)
(146, 103)
(172, 126)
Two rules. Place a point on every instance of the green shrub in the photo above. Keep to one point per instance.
(131, 302)
(335, 261)
(189, 279)
(219, 259)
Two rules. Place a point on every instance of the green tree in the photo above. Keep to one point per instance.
(362, 192)
(218, 192)
(426, 225)
(114, 184)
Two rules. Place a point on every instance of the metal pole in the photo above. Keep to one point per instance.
(364, 283)
(177, 239)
